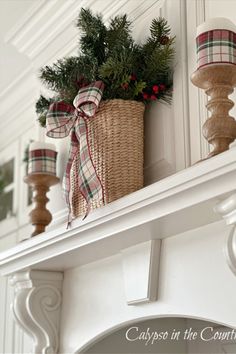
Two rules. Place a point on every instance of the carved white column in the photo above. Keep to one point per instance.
(227, 209)
(36, 307)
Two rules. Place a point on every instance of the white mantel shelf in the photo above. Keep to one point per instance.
(154, 212)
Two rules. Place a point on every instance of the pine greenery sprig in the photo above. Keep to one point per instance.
(42, 106)
(64, 76)
(129, 70)
(119, 34)
(92, 41)
(159, 28)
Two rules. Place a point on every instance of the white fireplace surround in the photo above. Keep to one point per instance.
(132, 231)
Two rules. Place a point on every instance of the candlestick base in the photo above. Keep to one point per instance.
(40, 216)
(218, 82)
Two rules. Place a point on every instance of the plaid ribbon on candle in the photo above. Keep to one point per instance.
(216, 46)
(63, 119)
(42, 161)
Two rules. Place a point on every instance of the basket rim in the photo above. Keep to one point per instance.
(122, 100)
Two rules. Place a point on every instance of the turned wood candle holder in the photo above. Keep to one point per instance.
(40, 216)
(218, 81)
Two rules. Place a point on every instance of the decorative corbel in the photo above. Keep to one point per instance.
(140, 265)
(227, 209)
(36, 307)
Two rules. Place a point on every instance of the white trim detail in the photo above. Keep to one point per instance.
(230, 250)
(31, 35)
(140, 265)
(36, 307)
(104, 231)
(227, 210)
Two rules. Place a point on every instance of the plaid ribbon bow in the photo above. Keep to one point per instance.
(62, 119)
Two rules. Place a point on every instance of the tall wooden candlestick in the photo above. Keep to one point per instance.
(218, 81)
(40, 216)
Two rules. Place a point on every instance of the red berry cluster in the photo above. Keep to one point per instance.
(149, 93)
(153, 93)
(132, 79)
(81, 82)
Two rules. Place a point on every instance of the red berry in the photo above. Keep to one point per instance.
(155, 88)
(125, 85)
(153, 97)
(145, 96)
(162, 87)
(133, 77)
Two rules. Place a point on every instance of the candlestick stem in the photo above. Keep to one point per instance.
(218, 81)
(40, 216)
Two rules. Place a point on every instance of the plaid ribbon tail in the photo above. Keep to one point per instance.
(69, 222)
(68, 192)
(89, 182)
(88, 208)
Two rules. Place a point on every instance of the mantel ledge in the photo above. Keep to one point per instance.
(127, 221)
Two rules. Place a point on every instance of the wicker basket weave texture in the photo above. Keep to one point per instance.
(116, 140)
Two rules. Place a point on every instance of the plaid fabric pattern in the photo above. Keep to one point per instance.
(216, 46)
(63, 119)
(42, 161)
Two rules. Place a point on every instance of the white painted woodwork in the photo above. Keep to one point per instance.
(150, 213)
(197, 259)
(187, 288)
(140, 270)
(36, 307)
(89, 254)
(227, 209)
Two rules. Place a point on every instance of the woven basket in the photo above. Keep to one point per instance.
(116, 145)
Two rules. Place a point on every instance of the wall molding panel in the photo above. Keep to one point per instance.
(29, 40)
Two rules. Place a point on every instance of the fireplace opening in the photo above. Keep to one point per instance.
(168, 336)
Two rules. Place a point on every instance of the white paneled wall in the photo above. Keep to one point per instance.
(173, 138)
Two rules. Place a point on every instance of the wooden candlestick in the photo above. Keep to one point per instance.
(40, 216)
(218, 81)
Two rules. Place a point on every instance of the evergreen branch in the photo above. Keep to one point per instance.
(43, 104)
(121, 63)
(92, 40)
(42, 120)
(119, 34)
(65, 76)
(139, 87)
(159, 28)
(158, 63)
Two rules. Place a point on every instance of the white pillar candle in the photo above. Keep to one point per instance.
(37, 145)
(216, 23)
(216, 40)
(42, 158)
